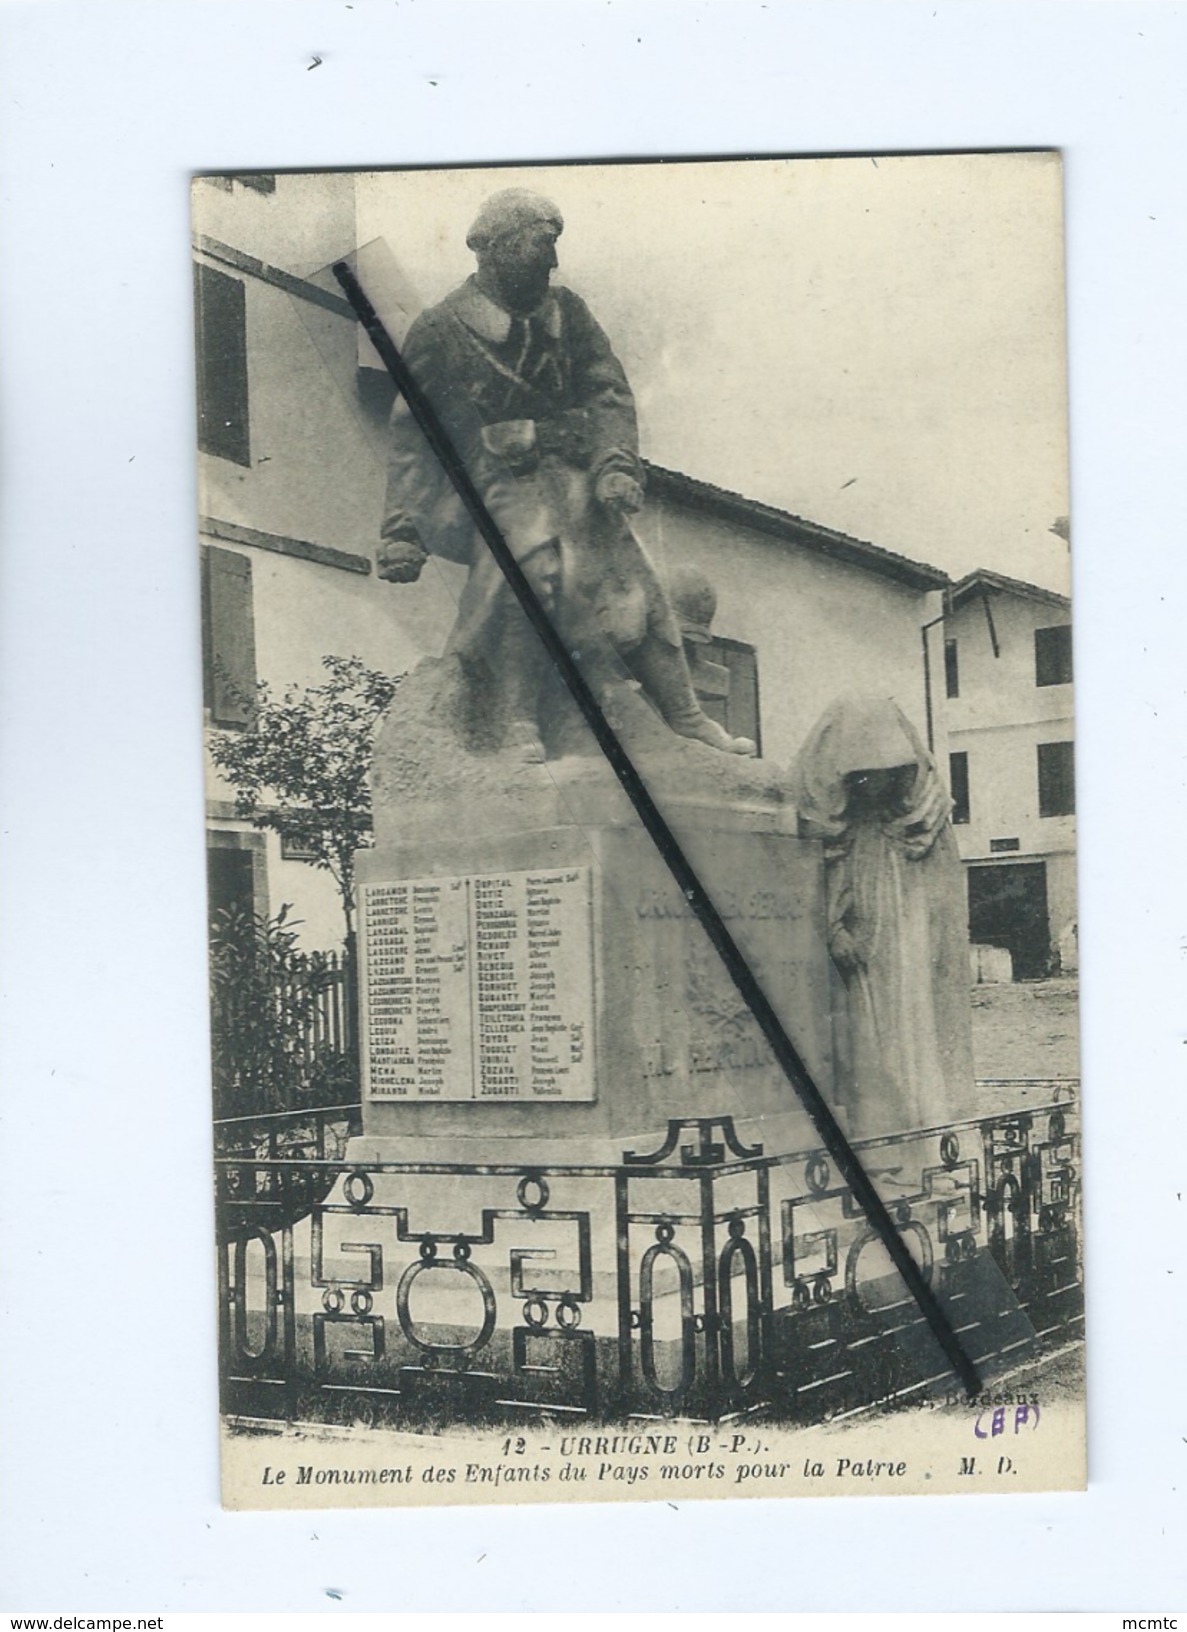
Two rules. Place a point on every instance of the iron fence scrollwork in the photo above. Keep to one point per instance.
(704, 1278)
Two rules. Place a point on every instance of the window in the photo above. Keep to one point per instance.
(958, 777)
(221, 330)
(1057, 779)
(228, 637)
(951, 669)
(725, 679)
(1053, 655)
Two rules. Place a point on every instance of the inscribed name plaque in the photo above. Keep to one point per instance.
(479, 988)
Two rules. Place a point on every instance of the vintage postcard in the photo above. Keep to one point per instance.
(641, 830)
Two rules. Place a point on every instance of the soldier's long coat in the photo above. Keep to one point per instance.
(481, 366)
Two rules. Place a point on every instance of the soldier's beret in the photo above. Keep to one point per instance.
(509, 210)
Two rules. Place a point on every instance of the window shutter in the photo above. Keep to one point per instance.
(951, 669)
(221, 330)
(1057, 779)
(739, 703)
(958, 779)
(229, 637)
(742, 718)
(1053, 656)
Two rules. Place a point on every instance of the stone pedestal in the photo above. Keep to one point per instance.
(534, 986)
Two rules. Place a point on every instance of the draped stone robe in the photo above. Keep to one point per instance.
(897, 921)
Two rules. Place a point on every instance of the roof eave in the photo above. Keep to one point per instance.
(983, 580)
(782, 525)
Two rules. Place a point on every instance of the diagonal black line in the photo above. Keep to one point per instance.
(681, 869)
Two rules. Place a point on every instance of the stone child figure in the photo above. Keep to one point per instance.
(540, 411)
(897, 924)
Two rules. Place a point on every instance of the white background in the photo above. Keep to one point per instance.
(110, 1480)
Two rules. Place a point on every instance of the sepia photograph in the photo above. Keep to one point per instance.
(641, 830)
(590, 624)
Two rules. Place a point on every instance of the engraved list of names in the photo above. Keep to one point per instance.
(479, 988)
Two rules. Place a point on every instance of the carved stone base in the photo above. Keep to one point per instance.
(671, 1036)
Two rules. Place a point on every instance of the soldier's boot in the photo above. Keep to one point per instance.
(522, 662)
(663, 671)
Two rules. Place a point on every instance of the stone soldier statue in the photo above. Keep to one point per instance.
(540, 411)
(694, 601)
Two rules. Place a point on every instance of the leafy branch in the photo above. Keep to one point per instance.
(301, 767)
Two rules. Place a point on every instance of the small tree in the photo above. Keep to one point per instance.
(301, 767)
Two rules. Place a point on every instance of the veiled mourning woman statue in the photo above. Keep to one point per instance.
(897, 923)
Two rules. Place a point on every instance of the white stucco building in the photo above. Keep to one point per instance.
(1002, 672)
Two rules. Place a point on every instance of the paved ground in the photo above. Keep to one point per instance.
(1028, 1029)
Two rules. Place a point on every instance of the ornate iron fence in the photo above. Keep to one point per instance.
(317, 1132)
(704, 1277)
